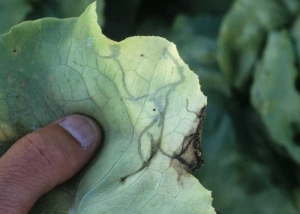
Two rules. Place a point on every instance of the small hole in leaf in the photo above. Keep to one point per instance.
(142, 55)
(14, 50)
(154, 109)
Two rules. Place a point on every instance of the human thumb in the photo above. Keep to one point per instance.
(45, 158)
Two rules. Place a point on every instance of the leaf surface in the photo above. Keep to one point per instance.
(240, 167)
(243, 34)
(274, 94)
(145, 97)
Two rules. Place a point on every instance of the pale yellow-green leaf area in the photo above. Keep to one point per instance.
(141, 92)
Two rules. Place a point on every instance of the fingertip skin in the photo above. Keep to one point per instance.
(43, 159)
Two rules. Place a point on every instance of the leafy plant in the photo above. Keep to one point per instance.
(247, 60)
(147, 100)
(248, 67)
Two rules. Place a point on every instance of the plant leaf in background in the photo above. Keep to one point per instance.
(203, 6)
(12, 12)
(252, 56)
(144, 95)
(274, 94)
(240, 168)
(244, 32)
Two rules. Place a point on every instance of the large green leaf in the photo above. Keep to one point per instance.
(243, 34)
(145, 97)
(240, 167)
(274, 93)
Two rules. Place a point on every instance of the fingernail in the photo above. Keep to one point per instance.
(82, 128)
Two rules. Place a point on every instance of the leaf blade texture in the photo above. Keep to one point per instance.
(145, 97)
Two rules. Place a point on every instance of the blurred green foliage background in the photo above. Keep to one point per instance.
(247, 55)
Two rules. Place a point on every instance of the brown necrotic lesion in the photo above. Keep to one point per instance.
(190, 154)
